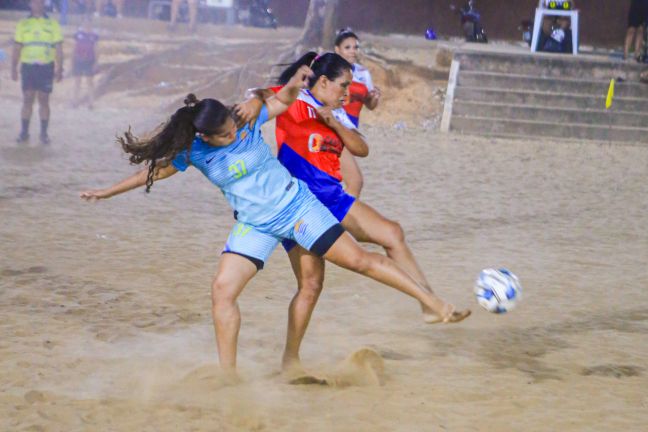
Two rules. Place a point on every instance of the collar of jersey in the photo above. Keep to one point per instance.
(44, 16)
(314, 98)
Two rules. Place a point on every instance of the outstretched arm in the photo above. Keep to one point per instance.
(276, 103)
(136, 180)
(288, 93)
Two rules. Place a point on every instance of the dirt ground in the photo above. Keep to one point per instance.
(105, 308)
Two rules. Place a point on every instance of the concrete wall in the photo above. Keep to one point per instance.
(603, 22)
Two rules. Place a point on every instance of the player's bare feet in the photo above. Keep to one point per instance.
(294, 373)
(450, 315)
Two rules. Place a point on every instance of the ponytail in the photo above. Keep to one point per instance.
(329, 64)
(176, 135)
(305, 60)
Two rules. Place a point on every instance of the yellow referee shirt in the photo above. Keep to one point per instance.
(38, 37)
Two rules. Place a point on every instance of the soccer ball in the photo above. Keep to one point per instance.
(497, 291)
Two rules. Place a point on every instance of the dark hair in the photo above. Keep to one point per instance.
(344, 34)
(206, 116)
(330, 65)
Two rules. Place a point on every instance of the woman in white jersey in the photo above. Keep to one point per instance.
(270, 205)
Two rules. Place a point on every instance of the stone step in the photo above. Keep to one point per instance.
(549, 114)
(549, 65)
(476, 125)
(497, 80)
(548, 99)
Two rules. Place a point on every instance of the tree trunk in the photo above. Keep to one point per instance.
(319, 27)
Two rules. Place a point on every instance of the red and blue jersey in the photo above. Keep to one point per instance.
(358, 92)
(310, 150)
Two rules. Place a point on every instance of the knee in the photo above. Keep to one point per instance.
(221, 293)
(395, 234)
(361, 261)
(311, 288)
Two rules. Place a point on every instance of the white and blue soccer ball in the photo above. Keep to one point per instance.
(497, 291)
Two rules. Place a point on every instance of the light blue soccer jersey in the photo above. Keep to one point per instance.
(253, 181)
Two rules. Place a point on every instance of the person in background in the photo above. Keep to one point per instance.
(39, 52)
(175, 11)
(84, 60)
(110, 7)
(361, 93)
(637, 17)
(559, 38)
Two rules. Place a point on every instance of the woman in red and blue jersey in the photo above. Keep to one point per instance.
(311, 136)
(361, 93)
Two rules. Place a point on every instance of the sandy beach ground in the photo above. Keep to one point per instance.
(105, 308)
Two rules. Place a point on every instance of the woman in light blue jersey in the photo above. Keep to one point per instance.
(270, 205)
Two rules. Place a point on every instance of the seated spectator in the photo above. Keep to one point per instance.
(559, 37)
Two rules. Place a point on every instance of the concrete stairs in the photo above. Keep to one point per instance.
(544, 95)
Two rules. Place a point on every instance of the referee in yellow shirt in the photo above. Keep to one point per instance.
(38, 49)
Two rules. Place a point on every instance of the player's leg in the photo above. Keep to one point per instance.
(319, 232)
(346, 253)
(244, 254)
(309, 272)
(234, 272)
(367, 225)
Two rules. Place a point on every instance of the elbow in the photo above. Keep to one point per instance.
(361, 152)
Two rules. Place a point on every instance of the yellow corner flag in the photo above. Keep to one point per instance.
(610, 95)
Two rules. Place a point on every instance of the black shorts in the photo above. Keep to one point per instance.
(37, 77)
(83, 68)
(638, 13)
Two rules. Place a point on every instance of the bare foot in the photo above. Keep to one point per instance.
(450, 315)
(294, 373)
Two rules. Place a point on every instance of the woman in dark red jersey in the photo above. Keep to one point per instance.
(311, 135)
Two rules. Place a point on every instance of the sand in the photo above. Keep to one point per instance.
(105, 308)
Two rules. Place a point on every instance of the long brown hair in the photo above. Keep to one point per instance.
(205, 116)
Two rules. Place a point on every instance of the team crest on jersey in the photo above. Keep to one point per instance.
(315, 142)
(243, 134)
(300, 227)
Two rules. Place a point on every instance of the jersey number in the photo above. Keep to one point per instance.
(241, 229)
(238, 168)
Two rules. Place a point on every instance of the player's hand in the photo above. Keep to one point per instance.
(14, 74)
(374, 96)
(300, 79)
(247, 111)
(94, 195)
(325, 113)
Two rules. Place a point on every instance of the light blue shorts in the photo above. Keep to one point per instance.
(305, 220)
